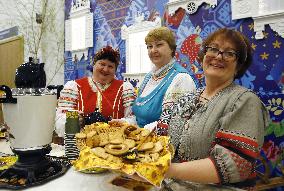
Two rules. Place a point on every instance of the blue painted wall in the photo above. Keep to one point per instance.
(265, 76)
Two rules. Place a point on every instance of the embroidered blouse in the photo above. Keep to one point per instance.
(114, 99)
(228, 129)
(164, 85)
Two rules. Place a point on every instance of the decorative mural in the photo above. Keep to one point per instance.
(265, 76)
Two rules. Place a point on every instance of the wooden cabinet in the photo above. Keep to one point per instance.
(11, 57)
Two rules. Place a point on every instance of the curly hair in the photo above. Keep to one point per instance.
(108, 53)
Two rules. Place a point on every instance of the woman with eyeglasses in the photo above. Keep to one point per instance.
(217, 133)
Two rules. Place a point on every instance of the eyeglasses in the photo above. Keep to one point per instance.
(226, 55)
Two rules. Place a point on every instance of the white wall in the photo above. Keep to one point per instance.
(46, 40)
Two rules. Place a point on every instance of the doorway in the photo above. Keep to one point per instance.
(11, 57)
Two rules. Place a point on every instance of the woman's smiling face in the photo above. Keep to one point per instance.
(216, 67)
(104, 71)
(159, 52)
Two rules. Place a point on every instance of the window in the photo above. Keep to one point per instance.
(78, 27)
(139, 61)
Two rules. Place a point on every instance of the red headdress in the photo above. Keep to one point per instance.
(108, 53)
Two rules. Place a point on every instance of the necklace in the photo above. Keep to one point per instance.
(92, 83)
(156, 78)
(162, 72)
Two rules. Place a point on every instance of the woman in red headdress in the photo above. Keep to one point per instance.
(113, 98)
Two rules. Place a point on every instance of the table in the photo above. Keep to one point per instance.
(73, 180)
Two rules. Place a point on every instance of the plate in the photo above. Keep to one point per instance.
(150, 161)
(6, 162)
(94, 170)
(16, 181)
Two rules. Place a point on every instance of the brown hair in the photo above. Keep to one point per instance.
(241, 43)
(162, 33)
(108, 53)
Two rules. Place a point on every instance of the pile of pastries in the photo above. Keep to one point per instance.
(123, 147)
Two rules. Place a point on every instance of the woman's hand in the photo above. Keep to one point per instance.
(117, 122)
(151, 126)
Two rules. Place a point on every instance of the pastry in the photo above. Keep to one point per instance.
(80, 139)
(116, 137)
(157, 148)
(103, 139)
(116, 149)
(130, 128)
(146, 146)
(130, 143)
(145, 132)
(100, 152)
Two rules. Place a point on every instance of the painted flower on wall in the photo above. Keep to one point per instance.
(271, 150)
(191, 47)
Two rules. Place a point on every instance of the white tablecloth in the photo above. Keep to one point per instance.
(74, 180)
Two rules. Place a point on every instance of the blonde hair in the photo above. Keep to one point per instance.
(162, 33)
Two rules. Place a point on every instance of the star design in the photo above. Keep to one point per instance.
(276, 44)
(264, 45)
(251, 26)
(265, 34)
(264, 56)
(253, 46)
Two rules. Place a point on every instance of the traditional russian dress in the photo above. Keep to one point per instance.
(159, 90)
(228, 129)
(113, 100)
